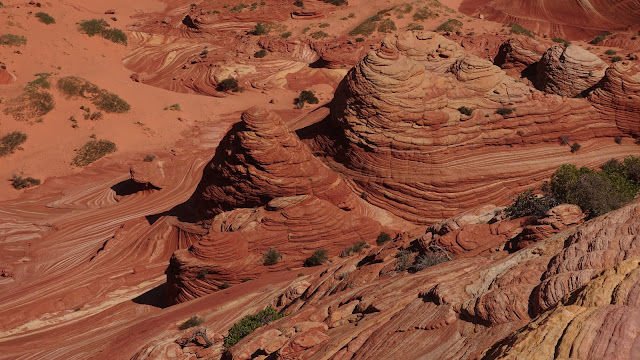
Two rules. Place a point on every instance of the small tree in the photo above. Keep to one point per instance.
(229, 84)
(319, 257)
(383, 238)
(305, 96)
(504, 111)
(260, 29)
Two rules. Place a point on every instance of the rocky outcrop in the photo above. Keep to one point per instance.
(519, 53)
(260, 160)
(600, 320)
(233, 249)
(555, 220)
(617, 97)
(568, 70)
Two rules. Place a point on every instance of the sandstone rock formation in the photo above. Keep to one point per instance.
(568, 71)
(556, 219)
(519, 53)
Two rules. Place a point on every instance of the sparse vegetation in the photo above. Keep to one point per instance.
(12, 142)
(575, 147)
(305, 96)
(596, 192)
(31, 104)
(451, 25)
(102, 28)
(403, 257)
(92, 151)
(260, 54)
(323, 25)
(229, 84)
(12, 40)
(600, 38)
(424, 13)
(319, 35)
(519, 30)
(383, 238)
(202, 274)
(616, 59)
(191, 322)
(429, 259)
(562, 41)
(415, 27)
(354, 249)
(319, 257)
(298, 3)
(18, 182)
(73, 86)
(239, 7)
(260, 29)
(564, 139)
(173, 107)
(367, 27)
(271, 257)
(336, 2)
(504, 111)
(387, 26)
(465, 110)
(249, 323)
(149, 158)
(42, 82)
(286, 34)
(618, 140)
(45, 18)
(610, 52)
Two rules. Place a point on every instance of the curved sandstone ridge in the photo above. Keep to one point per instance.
(600, 320)
(571, 19)
(520, 52)
(403, 141)
(232, 250)
(568, 71)
(260, 159)
(617, 97)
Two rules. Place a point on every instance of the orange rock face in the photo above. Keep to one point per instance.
(568, 71)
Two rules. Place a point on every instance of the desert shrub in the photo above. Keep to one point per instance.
(336, 2)
(12, 40)
(73, 86)
(424, 13)
(451, 25)
(562, 41)
(465, 110)
(18, 182)
(11, 142)
(224, 285)
(305, 96)
(564, 139)
(101, 27)
(202, 274)
(173, 107)
(414, 26)
(383, 238)
(359, 39)
(519, 30)
(1, 4)
(271, 257)
(286, 34)
(260, 54)
(92, 151)
(354, 249)
(30, 104)
(319, 257)
(249, 323)
(239, 7)
(319, 35)
(618, 140)
(387, 26)
(616, 58)
(298, 3)
(191, 322)
(95, 115)
(610, 52)
(229, 84)
(429, 259)
(323, 25)
(600, 38)
(260, 29)
(367, 27)
(149, 158)
(575, 147)
(504, 111)
(529, 204)
(403, 256)
(45, 18)
(42, 82)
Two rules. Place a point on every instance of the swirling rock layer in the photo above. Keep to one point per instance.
(568, 70)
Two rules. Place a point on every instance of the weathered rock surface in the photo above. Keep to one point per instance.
(568, 70)
(519, 53)
(556, 219)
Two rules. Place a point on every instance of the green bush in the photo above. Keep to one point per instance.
(305, 96)
(249, 323)
(286, 34)
(575, 147)
(519, 30)
(12, 40)
(11, 142)
(73, 86)
(383, 238)
(319, 35)
(260, 54)
(562, 41)
(529, 204)
(193, 321)
(451, 25)
(110, 103)
(45, 18)
(618, 140)
(271, 257)
(354, 249)
(465, 110)
(616, 59)
(239, 7)
(92, 151)
(610, 52)
(298, 3)
(504, 111)
(367, 27)
(101, 27)
(387, 26)
(319, 257)
(424, 13)
(42, 82)
(600, 38)
(18, 182)
(260, 29)
(229, 84)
